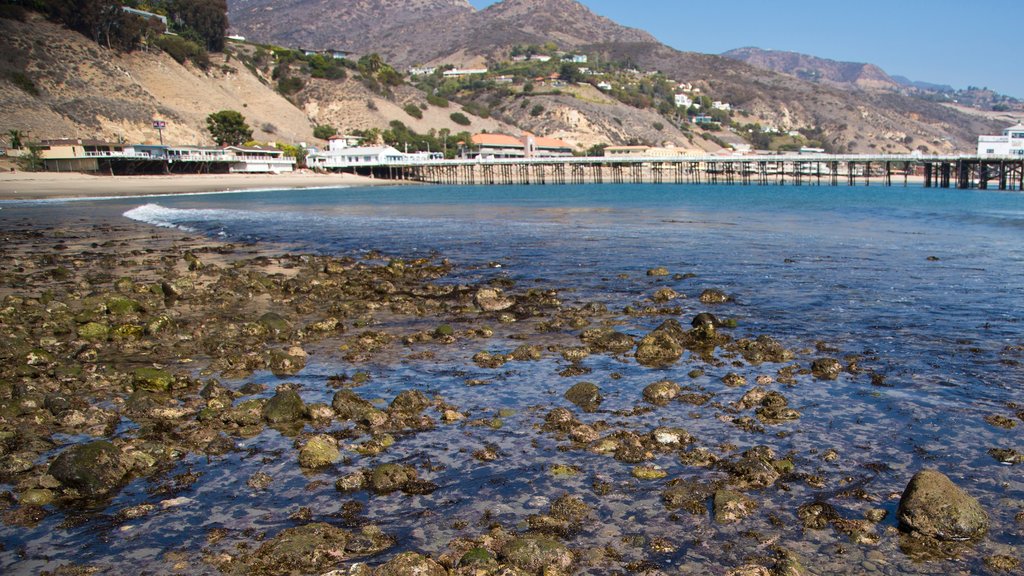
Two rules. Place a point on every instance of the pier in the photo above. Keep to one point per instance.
(962, 172)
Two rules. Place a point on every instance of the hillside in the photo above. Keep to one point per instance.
(845, 120)
(840, 74)
(71, 87)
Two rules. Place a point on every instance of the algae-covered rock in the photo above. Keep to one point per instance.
(309, 549)
(388, 478)
(350, 406)
(320, 451)
(586, 395)
(477, 557)
(410, 564)
(275, 324)
(492, 300)
(934, 506)
(94, 331)
(285, 406)
(152, 379)
(607, 340)
(93, 469)
(731, 506)
(714, 296)
(536, 554)
(826, 368)
(661, 392)
(287, 362)
(409, 402)
(658, 350)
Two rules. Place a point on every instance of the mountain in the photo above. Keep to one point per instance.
(814, 69)
(904, 81)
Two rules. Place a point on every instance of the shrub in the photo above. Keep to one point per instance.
(13, 12)
(413, 110)
(438, 101)
(537, 110)
(183, 50)
(324, 131)
(290, 85)
(460, 119)
(658, 126)
(21, 80)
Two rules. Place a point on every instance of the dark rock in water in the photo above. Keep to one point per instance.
(320, 451)
(410, 564)
(732, 506)
(755, 469)
(350, 406)
(285, 406)
(607, 340)
(657, 272)
(309, 549)
(705, 319)
(275, 324)
(1007, 455)
(934, 506)
(287, 362)
(764, 349)
(536, 554)
(816, 515)
(714, 296)
(663, 346)
(826, 368)
(586, 395)
(689, 495)
(388, 478)
(559, 420)
(152, 379)
(93, 469)
(660, 393)
(409, 402)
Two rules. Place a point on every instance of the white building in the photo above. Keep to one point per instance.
(342, 141)
(354, 157)
(258, 160)
(604, 86)
(457, 73)
(724, 106)
(1011, 143)
(422, 70)
(576, 58)
(683, 101)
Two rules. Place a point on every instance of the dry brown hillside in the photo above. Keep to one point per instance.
(55, 83)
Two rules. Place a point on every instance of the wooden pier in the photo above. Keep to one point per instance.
(963, 172)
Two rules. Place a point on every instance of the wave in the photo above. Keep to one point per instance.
(144, 196)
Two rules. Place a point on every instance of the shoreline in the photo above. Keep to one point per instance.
(64, 185)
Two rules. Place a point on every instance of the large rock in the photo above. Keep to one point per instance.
(320, 451)
(93, 469)
(586, 395)
(309, 549)
(536, 554)
(934, 506)
(410, 564)
(285, 406)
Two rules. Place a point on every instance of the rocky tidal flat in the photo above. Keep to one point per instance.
(173, 404)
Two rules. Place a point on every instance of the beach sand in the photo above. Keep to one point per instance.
(44, 185)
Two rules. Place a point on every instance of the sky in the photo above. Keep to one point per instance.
(950, 42)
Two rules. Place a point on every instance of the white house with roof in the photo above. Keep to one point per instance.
(258, 160)
(683, 100)
(1011, 143)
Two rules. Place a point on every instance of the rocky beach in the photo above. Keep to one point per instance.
(222, 406)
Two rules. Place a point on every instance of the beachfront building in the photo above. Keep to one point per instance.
(342, 141)
(364, 156)
(669, 150)
(258, 160)
(1011, 143)
(488, 146)
(76, 155)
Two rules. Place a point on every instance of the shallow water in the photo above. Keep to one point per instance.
(927, 285)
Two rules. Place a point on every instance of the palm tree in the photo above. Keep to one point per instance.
(16, 138)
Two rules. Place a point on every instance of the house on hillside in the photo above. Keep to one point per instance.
(1011, 143)
(343, 141)
(457, 73)
(604, 86)
(146, 15)
(683, 101)
(575, 58)
(422, 70)
(489, 146)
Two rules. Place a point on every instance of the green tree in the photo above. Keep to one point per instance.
(207, 20)
(32, 161)
(228, 128)
(16, 138)
(460, 119)
(324, 131)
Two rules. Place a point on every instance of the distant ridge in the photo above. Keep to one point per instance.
(814, 69)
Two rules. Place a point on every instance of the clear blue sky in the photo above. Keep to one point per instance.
(955, 42)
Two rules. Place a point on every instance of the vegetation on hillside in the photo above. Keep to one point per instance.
(228, 128)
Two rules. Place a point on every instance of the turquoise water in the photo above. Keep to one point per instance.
(927, 286)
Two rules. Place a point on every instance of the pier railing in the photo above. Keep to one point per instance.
(945, 171)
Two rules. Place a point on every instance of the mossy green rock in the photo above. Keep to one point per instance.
(535, 554)
(732, 506)
(410, 564)
(93, 469)
(586, 395)
(310, 549)
(152, 379)
(388, 478)
(934, 506)
(319, 451)
(121, 306)
(275, 323)
(350, 406)
(285, 406)
(658, 350)
(477, 557)
(94, 331)
(36, 497)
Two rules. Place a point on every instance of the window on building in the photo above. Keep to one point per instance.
(1018, 135)
(990, 151)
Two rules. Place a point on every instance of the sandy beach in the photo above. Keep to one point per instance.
(44, 185)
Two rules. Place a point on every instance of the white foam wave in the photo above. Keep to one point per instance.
(168, 195)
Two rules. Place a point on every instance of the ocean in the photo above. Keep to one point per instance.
(921, 289)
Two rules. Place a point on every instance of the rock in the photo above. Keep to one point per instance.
(714, 296)
(734, 380)
(934, 506)
(94, 331)
(732, 506)
(351, 482)
(93, 469)
(388, 478)
(536, 554)
(657, 272)
(285, 406)
(648, 472)
(409, 402)
(492, 300)
(287, 362)
(662, 347)
(320, 451)
(410, 564)
(309, 549)
(671, 437)
(689, 495)
(275, 324)
(826, 368)
(586, 395)
(755, 469)
(660, 393)
(763, 349)
(816, 515)
(152, 379)
(749, 570)
(477, 557)
(664, 295)
(36, 497)
(607, 340)
(1007, 455)
(705, 319)
(350, 406)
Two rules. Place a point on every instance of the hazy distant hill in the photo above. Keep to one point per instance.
(814, 69)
